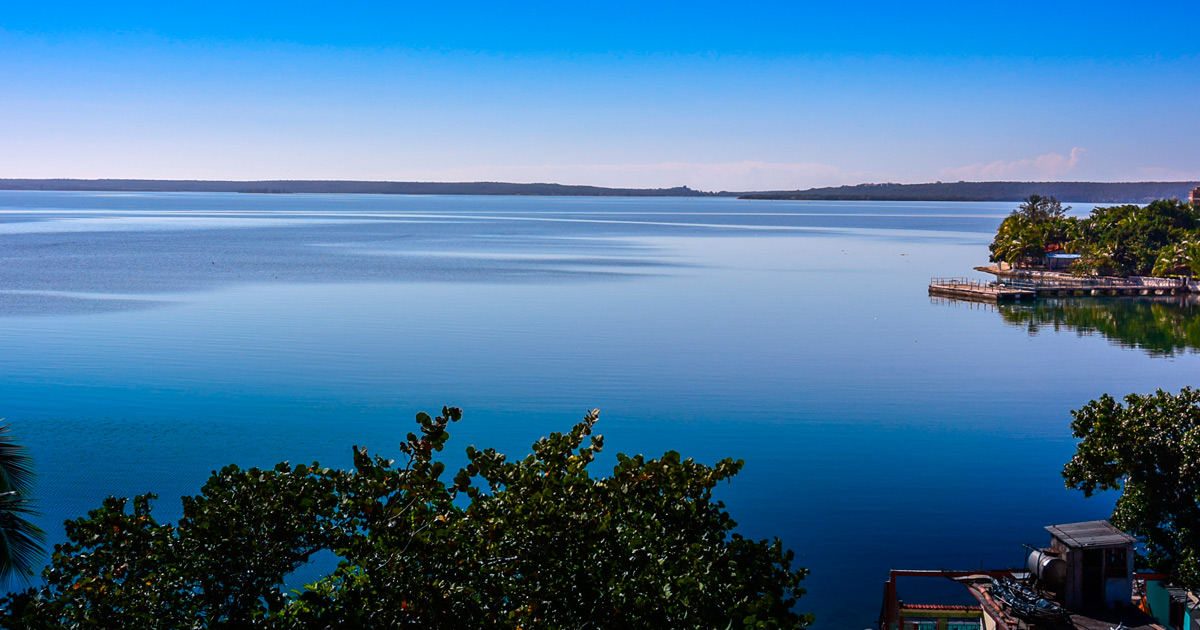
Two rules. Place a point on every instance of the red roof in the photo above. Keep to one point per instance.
(939, 607)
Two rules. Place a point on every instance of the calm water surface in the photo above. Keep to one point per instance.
(148, 339)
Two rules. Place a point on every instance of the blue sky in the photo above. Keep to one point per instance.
(716, 96)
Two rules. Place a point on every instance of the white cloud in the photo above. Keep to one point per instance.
(739, 176)
(1041, 168)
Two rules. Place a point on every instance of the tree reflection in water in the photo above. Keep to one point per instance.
(1161, 326)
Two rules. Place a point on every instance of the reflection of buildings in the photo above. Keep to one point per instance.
(1085, 579)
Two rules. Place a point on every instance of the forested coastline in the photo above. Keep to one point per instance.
(1079, 192)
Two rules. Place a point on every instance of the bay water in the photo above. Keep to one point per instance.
(149, 339)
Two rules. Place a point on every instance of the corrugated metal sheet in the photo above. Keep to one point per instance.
(1090, 534)
(1178, 594)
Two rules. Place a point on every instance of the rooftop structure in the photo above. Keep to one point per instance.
(1061, 261)
(1099, 564)
(1090, 534)
(1083, 580)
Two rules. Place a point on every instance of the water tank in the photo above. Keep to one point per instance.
(1050, 570)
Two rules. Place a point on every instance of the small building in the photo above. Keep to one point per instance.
(939, 617)
(1099, 559)
(1088, 569)
(1194, 196)
(1172, 607)
(1061, 261)
(898, 614)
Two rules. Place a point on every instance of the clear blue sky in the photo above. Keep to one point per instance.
(711, 95)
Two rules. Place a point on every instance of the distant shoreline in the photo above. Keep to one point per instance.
(1078, 192)
(345, 187)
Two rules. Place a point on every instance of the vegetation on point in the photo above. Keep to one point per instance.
(1149, 449)
(534, 543)
(1161, 238)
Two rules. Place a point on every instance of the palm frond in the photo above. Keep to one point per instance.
(16, 467)
(20, 540)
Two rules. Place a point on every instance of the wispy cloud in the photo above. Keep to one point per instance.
(1041, 168)
(700, 175)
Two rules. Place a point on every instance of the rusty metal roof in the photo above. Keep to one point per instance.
(948, 607)
(1090, 534)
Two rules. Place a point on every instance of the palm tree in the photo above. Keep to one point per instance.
(1178, 258)
(1017, 241)
(1171, 258)
(20, 540)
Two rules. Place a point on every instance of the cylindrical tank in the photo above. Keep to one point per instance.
(1050, 570)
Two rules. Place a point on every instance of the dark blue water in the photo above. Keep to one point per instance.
(148, 339)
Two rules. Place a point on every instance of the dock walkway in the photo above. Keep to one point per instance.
(1048, 283)
(977, 290)
(1020, 285)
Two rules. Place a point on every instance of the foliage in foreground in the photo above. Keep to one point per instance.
(1149, 448)
(20, 540)
(535, 543)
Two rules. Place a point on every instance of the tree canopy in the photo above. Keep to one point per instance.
(534, 543)
(1149, 449)
(1159, 238)
(1037, 224)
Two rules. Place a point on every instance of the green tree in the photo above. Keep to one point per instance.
(20, 540)
(1014, 242)
(1038, 209)
(1182, 257)
(1149, 449)
(1118, 240)
(534, 543)
(1025, 235)
(1131, 238)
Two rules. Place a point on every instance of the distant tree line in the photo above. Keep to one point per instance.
(344, 187)
(1082, 192)
(1161, 238)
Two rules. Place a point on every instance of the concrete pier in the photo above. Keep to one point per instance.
(977, 291)
(1019, 285)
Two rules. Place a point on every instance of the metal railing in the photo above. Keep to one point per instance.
(960, 282)
(978, 286)
(1024, 285)
(1028, 283)
(1033, 282)
(1159, 283)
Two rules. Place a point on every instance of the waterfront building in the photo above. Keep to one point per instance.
(1060, 261)
(1099, 564)
(939, 617)
(1084, 580)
